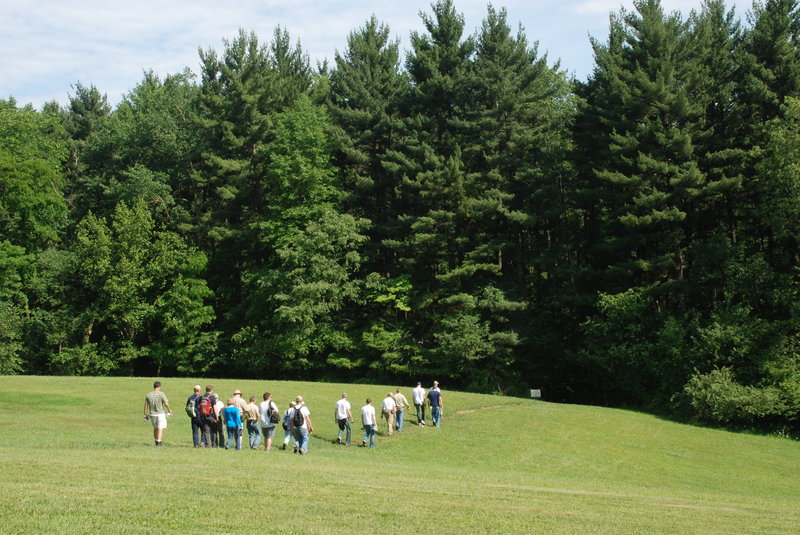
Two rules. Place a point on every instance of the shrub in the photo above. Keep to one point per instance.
(717, 398)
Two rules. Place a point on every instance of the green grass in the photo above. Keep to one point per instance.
(76, 458)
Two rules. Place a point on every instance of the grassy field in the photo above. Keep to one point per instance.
(76, 458)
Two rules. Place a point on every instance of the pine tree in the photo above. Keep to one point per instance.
(518, 155)
(648, 176)
(644, 182)
(366, 90)
(241, 93)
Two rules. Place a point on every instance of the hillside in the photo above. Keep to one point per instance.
(78, 459)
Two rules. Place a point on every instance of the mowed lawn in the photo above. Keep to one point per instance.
(76, 458)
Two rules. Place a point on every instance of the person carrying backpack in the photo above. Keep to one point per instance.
(287, 427)
(207, 412)
(269, 416)
(300, 421)
(194, 416)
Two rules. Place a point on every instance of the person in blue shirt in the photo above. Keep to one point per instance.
(435, 400)
(233, 421)
(194, 416)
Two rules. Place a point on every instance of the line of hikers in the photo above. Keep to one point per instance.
(217, 424)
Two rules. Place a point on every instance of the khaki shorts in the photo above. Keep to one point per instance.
(159, 420)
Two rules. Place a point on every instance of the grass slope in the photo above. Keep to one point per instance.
(76, 458)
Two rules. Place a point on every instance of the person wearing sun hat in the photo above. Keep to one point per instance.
(241, 404)
(343, 417)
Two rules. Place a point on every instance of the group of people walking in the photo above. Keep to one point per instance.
(217, 424)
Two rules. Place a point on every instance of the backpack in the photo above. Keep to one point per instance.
(299, 419)
(190, 407)
(274, 417)
(205, 407)
(286, 421)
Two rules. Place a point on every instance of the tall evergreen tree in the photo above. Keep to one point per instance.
(240, 94)
(517, 152)
(366, 89)
(645, 175)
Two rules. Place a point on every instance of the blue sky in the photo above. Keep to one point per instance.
(48, 45)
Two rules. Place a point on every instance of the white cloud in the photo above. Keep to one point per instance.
(47, 45)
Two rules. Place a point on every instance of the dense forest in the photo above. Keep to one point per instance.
(463, 210)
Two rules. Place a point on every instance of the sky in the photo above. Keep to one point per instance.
(47, 46)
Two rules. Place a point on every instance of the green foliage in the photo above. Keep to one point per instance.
(10, 340)
(717, 398)
(141, 297)
(466, 211)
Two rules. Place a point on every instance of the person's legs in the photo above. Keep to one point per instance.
(302, 445)
(220, 432)
(390, 423)
(231, 433)
(347, 426)
(254, 433)
(239, 432)
(297, 439)
(196, 430)
(399, 423)
(341, 423)
(159, 424)
(436, 416)
(268, 433)
(206, 434)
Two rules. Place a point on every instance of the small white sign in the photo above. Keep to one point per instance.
(536, 393)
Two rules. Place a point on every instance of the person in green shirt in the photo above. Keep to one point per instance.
(154, 403)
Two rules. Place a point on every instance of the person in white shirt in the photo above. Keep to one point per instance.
(388, 409)
(219, 406)
(268, 414)
(370, 423)
(300, 421)
(343, 418)
(419, 403)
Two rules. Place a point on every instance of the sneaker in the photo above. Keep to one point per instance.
(283, 446)
(363, 443)
(338, 440)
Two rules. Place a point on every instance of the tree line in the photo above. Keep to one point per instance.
(465, 210)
